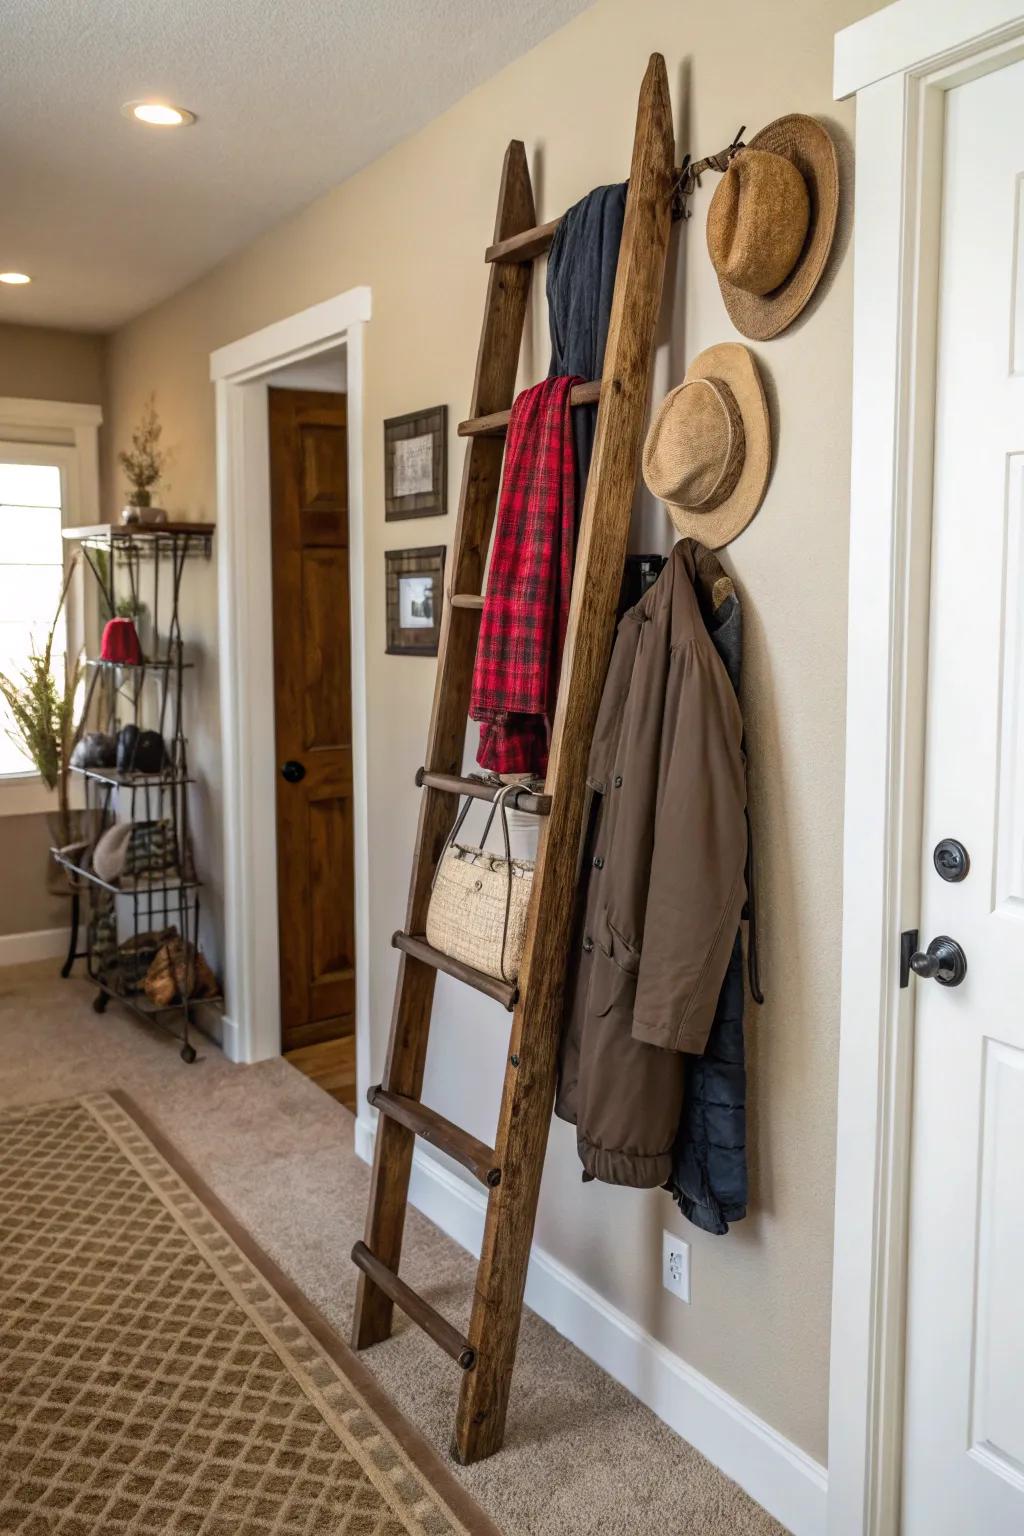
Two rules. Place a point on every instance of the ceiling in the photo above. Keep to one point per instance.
(292, 96)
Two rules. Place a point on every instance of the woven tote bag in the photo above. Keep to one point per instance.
(479, 900)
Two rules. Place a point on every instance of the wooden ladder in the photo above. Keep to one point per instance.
(511, 1170)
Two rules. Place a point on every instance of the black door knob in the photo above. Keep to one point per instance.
(943, 960)
(292, 771)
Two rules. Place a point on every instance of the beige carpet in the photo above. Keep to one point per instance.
(581, 1454)
(158, 1375)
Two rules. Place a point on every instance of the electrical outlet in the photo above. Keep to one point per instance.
(675, 1265)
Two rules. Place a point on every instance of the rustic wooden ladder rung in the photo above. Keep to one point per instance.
(521, 799)
(415, 944)
(479, 1159)
(511, 1170)
(496, 425)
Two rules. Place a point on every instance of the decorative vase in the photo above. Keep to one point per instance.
(141, 510)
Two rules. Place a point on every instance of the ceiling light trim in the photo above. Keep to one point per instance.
(158, 114)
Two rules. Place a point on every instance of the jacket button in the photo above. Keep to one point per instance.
(599, 862)
(588, 945)
(618, 781)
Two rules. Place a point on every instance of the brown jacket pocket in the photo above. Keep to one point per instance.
(614, 970)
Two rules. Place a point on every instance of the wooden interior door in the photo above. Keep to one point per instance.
(313, 716)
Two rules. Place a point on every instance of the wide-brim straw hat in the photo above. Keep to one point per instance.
(806, 143)
(708, 452)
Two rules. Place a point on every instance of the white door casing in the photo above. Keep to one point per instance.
(964, 1436)
(240, 374)
(900, 62)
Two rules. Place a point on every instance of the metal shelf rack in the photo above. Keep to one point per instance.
(130, 917)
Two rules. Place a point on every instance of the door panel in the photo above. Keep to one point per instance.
(1010, 825)
(964, 1442)
(997, 1429)
(326, 663)
(313, 715)
(324, 462)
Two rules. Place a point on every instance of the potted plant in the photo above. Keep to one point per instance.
(143, 465)
(42, 707)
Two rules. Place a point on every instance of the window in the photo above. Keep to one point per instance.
(32, 497)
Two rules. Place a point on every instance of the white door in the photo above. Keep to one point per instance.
(964, 1442)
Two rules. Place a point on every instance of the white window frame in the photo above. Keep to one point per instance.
(65, 434)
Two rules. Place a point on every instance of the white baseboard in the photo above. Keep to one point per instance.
(226, 1033)
(42, 944)
(787, 1482)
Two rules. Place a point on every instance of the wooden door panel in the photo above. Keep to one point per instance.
(313, 710)
(327, 691)
(332, 950)
(324, 487)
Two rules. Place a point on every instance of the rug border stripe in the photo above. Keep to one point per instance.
(422, 1454)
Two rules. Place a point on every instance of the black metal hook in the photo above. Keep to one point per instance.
(688, 177)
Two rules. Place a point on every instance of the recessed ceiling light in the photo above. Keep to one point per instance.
(159, 114)
(14, 278)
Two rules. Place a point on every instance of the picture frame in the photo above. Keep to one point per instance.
(416, 464)
(414, 598)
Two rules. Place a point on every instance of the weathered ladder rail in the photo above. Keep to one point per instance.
(511, 1172)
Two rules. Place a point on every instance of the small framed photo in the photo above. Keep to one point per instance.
(415, 597)
(416, 464)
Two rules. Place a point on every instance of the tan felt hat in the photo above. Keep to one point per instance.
(708, 451)
(771, 224)
(111, 851)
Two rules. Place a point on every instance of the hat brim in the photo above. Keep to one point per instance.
(807, 144)
(731, 362)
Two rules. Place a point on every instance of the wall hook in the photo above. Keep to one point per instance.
(688, 177)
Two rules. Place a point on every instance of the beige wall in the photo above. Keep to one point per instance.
(26, 903)
(40, 364)
(413, 226)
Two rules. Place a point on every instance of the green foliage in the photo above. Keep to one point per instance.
(43, 709)
(144, 463)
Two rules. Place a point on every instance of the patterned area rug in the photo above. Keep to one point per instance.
(159, 1375)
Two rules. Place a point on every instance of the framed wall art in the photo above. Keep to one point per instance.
(416, 464)
(414, 599)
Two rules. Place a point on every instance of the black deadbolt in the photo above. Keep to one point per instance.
(293, 771)
(951, 860)
(943, 960)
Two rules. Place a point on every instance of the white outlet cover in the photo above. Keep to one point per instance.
(675, 1265)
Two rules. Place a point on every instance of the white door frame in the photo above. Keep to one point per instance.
(899, 63)
(239, 373)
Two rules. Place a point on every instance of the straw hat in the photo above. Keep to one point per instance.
(708, 451)
(771, 224)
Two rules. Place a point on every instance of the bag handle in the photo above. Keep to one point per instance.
(454, 832)
(501, 799)
(456, 827)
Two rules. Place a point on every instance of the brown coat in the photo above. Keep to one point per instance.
(662, 882)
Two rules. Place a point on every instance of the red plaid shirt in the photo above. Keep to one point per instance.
(519, 651)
